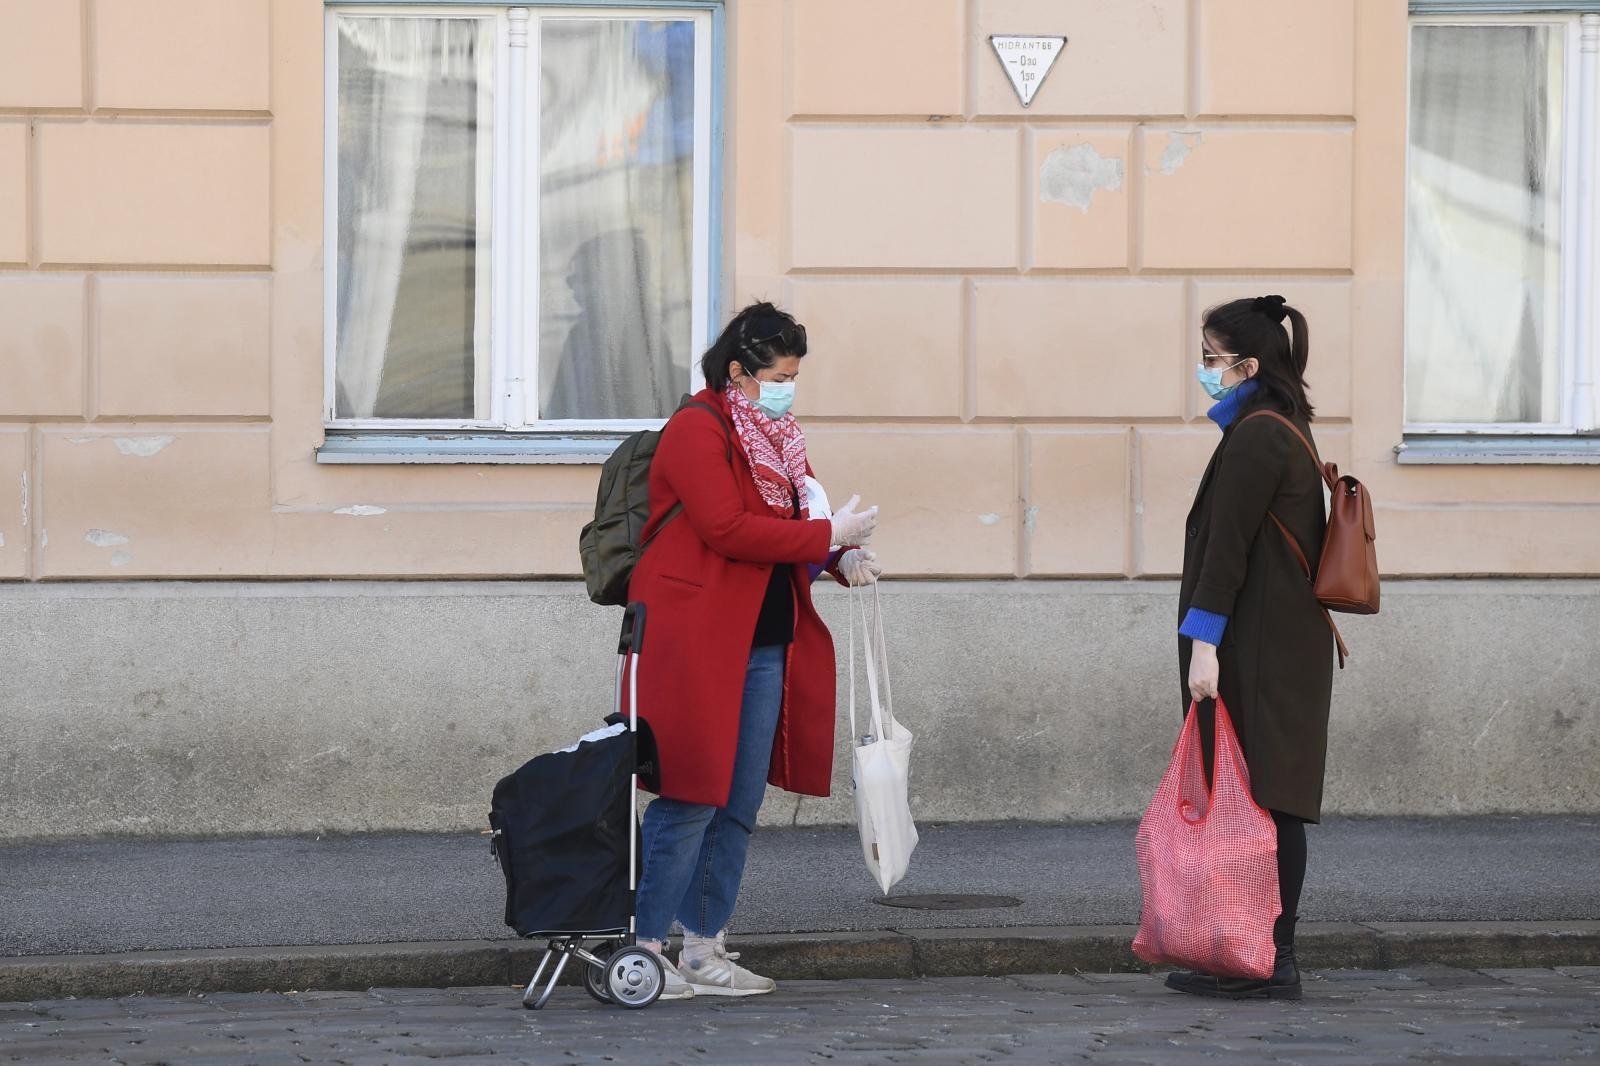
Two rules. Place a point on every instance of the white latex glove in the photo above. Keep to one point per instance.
(851, 529)
(1203, 671)
(858, 566)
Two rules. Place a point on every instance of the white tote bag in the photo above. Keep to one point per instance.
(880, 758)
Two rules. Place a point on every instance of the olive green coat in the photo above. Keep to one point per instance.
(1276, 655)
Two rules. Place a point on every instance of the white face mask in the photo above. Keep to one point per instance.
(777, 397)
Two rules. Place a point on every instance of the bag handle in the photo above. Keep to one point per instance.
(883, 650)
(1224, 744)
(881, 656)
(881, 723)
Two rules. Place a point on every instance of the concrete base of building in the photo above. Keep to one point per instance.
(228, 708)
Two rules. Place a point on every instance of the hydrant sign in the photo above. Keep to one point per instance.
(1027, 60)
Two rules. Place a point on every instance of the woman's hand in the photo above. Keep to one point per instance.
(850, 529)
(858, 566)
(1203, 671)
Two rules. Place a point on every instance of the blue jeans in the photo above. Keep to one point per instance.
(694, 853)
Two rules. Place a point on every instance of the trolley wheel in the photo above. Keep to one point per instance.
(634, 978)
(594, 977)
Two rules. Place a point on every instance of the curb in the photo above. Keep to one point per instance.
(785, 956)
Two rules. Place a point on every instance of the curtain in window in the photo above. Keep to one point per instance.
(616, 217)
(1483, 270)
(412, 238)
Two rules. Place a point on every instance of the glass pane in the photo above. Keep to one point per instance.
(616, 218)
(1483, 269)
(415, 124)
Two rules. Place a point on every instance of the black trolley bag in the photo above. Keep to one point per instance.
(564, 830)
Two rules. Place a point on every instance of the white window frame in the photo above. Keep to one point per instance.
(512, 299)
(1579, 349)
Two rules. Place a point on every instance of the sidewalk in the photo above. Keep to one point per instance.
(353, 912)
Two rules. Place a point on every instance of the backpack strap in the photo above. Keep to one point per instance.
(1330, 474)
(676, 509)
(727, 430)
(1328, 471)
(1305, 564)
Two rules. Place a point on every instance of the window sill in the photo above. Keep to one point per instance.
(392, 449)
(1469, 450)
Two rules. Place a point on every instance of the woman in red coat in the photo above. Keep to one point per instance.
(738, 683)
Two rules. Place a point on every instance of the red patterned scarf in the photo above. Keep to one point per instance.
(777, 452)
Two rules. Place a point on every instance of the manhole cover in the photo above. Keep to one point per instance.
(946, 902)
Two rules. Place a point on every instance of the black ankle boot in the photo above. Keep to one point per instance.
(1283, 984)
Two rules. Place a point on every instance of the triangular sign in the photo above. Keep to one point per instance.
(1027, 60)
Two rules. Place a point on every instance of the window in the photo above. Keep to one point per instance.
(519, 228)
(1504, 131)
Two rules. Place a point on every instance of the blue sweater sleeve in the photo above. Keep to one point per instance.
(1204, 625)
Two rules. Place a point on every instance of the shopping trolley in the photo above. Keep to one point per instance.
(564, 829)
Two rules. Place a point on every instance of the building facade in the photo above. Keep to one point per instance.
(316, 321)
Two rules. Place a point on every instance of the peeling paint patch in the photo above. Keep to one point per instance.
(1072, 176)
(1179, 145)
(362, 510)
(24, 499)
(104, 538)
(2, 540)
(142, 447)
(44, 538)
(989, 519)
(82, 440)
(1030, 518)
(121, 559)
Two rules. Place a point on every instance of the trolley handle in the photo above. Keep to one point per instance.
(632, 640)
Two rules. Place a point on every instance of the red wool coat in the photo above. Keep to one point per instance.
(702, 581)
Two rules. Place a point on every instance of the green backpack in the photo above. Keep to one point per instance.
(610, 545)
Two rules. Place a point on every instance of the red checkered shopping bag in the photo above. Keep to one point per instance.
(1208, 863)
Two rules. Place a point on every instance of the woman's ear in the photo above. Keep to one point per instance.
(1252, 367)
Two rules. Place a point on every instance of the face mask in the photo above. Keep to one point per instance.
(1211, 380)
(776, 397)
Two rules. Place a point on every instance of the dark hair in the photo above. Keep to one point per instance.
(757, 338)
(1253, 328)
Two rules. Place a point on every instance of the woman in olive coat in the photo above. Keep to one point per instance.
(1250, 627)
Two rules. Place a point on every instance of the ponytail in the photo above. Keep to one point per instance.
(1299, 341)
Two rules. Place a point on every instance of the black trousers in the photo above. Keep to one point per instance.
(1291, 874)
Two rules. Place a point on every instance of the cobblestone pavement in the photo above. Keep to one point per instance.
(1422, 1015)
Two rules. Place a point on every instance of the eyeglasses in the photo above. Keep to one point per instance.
(1206, 356)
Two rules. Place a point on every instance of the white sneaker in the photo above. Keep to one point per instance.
(673, 986)
(710, 969)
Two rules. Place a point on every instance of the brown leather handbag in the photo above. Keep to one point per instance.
(1346, 578)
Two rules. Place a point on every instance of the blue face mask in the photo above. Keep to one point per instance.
(776, 397)
(1211, 380)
